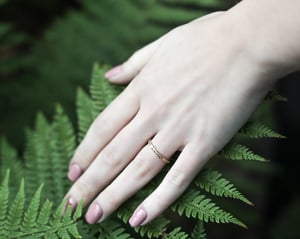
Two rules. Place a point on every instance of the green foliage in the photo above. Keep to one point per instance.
(199, 231)
(213, 182)
(35, 221)
(48, 150)
(105, 31)
(257, 130)
(237, 151)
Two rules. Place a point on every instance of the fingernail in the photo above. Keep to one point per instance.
(72, 203)
(74, 172)
(138, 217)
(113, 72)
(94, 214)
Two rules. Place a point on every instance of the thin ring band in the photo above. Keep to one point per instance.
(157, 153)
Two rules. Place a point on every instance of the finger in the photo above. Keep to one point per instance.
(127, 71)
(102, 130)
(173, 185)
(135, 176)
(111, 160)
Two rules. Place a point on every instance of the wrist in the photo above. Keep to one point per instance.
(270, 34)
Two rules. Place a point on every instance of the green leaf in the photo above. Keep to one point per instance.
(4, 195)
(155, 228)
(193, 204)
(177, 233)
(213, 182)
(235, 151)
(85, 112)
(102, 92)
(258, 130)
(111, 229)
(199, 231)
(31, 214)
(16, 211)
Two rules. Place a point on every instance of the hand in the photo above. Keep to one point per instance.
(190, 90)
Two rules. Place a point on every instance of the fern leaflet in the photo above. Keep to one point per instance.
(4, 195)
(237, 151)
(199, 231)
(177, 233)
(213, 182)
(85, 112)
(193, 204)
(35, 221)
(257, 130)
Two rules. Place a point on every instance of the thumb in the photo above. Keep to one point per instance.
(128, 70)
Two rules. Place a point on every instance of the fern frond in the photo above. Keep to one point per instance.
(85, 112)
(9, 160)
(62, 146)
(155, 228)
(15, 213)
(199, 231)
(213, 182)
(44, 214)
(257, 130)
(102, 92)
(111, 229)
(235, 151)
(37, 152)
(177, 233)
(31, 214)
(4, 195)
(193, 204)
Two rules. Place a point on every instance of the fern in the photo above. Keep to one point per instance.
(102, 92)
(193, 204)
(85, 112)
(48, 150)
(237, 151)
(34, 222)
(112, 230)
(213, 182)
(176, 234)
(9, 160)
(199, 231)
(257, 130)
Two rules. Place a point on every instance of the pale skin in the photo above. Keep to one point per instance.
(190, 90)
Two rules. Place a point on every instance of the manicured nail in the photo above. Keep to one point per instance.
(113, 72)
(72, 203)
(94, 214)
(74, 172)
(138, 217)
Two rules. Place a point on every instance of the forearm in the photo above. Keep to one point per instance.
(271, 30)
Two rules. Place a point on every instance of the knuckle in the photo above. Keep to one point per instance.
(111, 198)
(177, 179)
(109, 158)
(159, 200)
(143, 168)
(81, 187)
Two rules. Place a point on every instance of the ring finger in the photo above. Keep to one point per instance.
(136, 175)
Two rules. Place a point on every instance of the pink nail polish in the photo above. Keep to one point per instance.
(74, 172)
(138, 217)
(72, 203)
(94, 214)
(113, 72)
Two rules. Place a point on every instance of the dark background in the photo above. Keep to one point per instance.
(25, 89)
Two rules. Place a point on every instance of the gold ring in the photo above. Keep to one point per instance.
(158, 154)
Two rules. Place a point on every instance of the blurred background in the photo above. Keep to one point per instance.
(47, 49)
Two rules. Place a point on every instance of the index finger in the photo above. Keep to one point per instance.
(103, 129)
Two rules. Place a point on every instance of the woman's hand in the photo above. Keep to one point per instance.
(190, 90)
